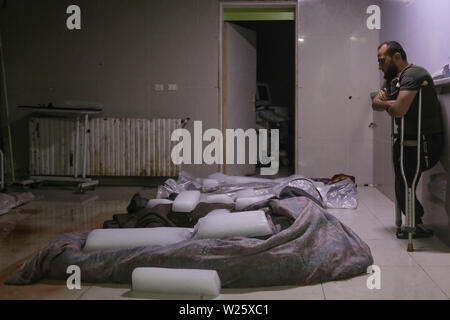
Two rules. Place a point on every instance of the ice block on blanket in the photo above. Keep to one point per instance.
(219, 198)
(106, 239)
(154, 202)
(186, 201)
(233, 224)
(218, 211)
(242, 203)
(176, 281)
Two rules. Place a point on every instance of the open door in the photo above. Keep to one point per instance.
(239, 89)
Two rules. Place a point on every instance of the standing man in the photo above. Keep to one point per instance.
(399, 97)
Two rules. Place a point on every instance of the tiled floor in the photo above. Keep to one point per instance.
(422, 274)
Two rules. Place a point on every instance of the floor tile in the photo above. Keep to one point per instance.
(389, 253)
(371, 197)
(441, 276)
(125, 292)
(44, 290)
(314, 292)
(397, 283)
(369, 229)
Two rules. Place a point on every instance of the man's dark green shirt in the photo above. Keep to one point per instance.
(412, 78)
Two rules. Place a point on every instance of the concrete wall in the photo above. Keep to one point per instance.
(422, 27)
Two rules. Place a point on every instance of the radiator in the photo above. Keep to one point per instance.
(116, 147)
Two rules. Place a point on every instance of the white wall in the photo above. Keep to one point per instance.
(422, 27)
(337, 60)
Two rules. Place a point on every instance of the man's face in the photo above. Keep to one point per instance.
(386, 63)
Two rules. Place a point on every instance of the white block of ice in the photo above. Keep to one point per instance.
(242, 203)
(233, 224)
(218, 211)
(219, 198)
(106, 239)
(186, 201)
(176, 281)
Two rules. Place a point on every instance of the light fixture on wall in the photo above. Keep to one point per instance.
(301, 39)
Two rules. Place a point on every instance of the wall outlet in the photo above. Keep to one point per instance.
(159, 87)
(172, 87)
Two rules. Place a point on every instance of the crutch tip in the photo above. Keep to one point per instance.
(410, 247)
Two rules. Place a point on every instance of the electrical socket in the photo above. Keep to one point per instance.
(172, 87)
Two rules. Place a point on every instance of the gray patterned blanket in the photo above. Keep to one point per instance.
(316, 248)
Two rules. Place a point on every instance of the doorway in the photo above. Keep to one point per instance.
(267, 99)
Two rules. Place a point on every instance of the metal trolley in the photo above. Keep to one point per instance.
(410, 191)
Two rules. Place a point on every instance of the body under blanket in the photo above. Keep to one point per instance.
(316, 248)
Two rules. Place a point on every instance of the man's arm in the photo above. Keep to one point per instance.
(396, 108)
(377, 102)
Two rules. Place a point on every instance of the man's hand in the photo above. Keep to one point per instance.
(377, 103)
(382, 95)
(396, 108)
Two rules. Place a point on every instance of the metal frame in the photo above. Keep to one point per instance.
(82, 181)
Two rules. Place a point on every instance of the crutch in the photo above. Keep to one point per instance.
(398, 212)
(410, 192)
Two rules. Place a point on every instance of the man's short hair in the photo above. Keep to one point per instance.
(393, 47)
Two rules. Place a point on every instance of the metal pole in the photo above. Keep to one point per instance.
(410, 192)
(407, 189)
(2, 171)
(412, 225)
(398, 213)
(85, 144)
(77, 142)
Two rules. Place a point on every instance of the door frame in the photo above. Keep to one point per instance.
(222, 81)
